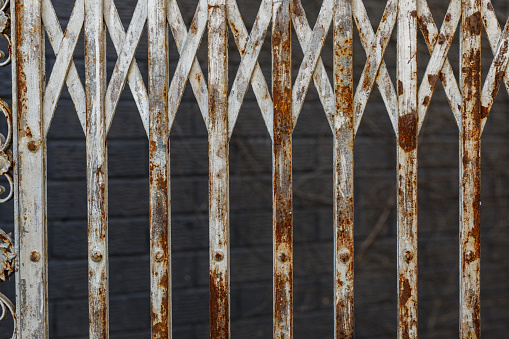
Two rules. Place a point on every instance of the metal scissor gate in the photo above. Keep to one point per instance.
(280, 100)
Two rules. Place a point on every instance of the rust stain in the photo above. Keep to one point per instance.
(473, 23)
(400, 88)
(407, 132)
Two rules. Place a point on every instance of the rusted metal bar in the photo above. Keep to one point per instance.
(97, 170)
(321, 80)
(343, 171)
(383, 79)
(470, 171)
(159, 171)
(282, 169)
(312, 51)
(134, 77)
(436, 68)
(64, 69)
(495, 75)
(249, 70)
(196, 78)
(219, 204)
(125, 66)
(187, 58)
(408, 123)
(374, 60)
(32, 301)
(432, 36)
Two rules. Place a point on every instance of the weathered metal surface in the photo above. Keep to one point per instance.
(6, 154)
(407, 168)
(495, 75)
(320, 78)
(343, 171)
(438, 65)
(64, 68)
(312, 51)
(134, 77)
(32, 279)
(97, 169)
(196, 78)
(282, 208)
(385, 85)
(159, 171)
(219, 204)
(374, 60)
(470, 171)
(187, 54)
(249, 70)
(125, 65)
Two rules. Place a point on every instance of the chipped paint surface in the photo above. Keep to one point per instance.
(282, 170)
(407, 169)
(219, 204)
(343, 171)
(97, 170)
(159, 171)
(470, 171)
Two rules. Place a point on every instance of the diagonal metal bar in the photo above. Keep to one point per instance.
(249, 70)
(125, 59)
(320, 78)
(74, 85)
(496, 72)
(374, 60)
(196, 77)
(383, 79)
(135, 79)
(311, 54)
(431, 35)
(440, 48)
(493, 31)
(187, 55)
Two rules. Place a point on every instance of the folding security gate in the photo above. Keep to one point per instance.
(34, 102)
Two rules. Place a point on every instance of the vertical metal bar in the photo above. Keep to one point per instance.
(343, 171)
(407, 169)
(282, 169)
(31, 166)
(470, 171)
(159, 160)
(97, 170)
(219, 204)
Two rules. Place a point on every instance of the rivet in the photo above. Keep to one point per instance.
(159, 255)
(469, 255)
(283, 257)
(33, 146)
(35, 256)
(344, 256)
(96, 256)
(218, 256)
(408, 256)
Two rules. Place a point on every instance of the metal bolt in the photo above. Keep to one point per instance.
(344, 256)
(33, 146)
(218, 256)
(408, 256)
(35, 256)
(283, 257)
(96, 256)
(469, 255)
(159, 255)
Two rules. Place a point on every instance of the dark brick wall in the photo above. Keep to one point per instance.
(251, 218)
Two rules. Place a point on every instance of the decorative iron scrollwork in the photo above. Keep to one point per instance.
(5, 30)
(7, 253)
